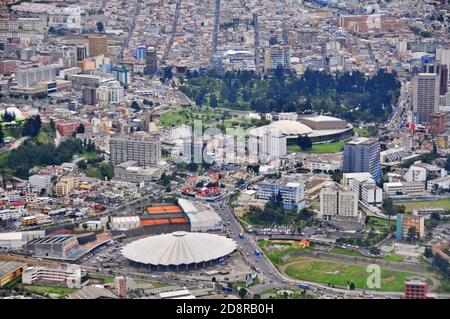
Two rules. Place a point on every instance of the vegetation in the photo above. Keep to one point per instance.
(32, 153)
(340, 274)
(369, 131)
(46, 290)
(350, 96)
(443, 203)
(278, 255)
(274, 213)
(319, 148)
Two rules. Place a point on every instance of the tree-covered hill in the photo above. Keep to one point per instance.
(353, 97)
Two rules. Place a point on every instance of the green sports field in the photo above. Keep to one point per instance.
(440, 203)
(319, 148)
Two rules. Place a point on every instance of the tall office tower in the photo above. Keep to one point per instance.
(443, 55)
(436, 67)
(443, 84)
(98, 46)
(89, 96)
(141, 147)
(363, 155)
(275, 56)
(415, 288)
(151, 64)
(141, 53)
(81, 53)
(425, 96)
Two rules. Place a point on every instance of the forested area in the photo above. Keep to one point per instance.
(351, 96)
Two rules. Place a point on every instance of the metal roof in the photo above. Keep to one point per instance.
(179, 248)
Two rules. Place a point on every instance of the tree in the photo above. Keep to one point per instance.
(32, 126)
(8, 117)
(80, 129)
(242, 292)
(447, 163)
(435, 150)
(100, 26)
(304, 142)
(213, 101)
(352, 286)
(52, 125)
(85, 226)
(412, 234)
(2, 136)
(135, 106)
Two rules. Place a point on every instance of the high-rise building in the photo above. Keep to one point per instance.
(141, 147)
(141, 53)
(121, 74)
(405, 224)
(89, 96)
(436, 67)
(151, 66)
(335, 201)
(363, 155)
(443, 55)
(275, 56)
(443, 83)
(426, 96)
(416, 288)
(81, 53)
(98, 45)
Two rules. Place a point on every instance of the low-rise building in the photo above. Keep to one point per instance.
(9, 271)
(67, 275)
(404, 188)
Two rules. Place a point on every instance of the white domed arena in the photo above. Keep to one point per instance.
(178, 250)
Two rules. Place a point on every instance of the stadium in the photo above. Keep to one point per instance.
(178, 250)
(321, 129)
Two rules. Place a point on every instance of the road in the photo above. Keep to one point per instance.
(132, 27)
(172, 32)
(216, 24)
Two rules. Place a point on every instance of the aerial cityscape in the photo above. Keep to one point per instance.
(237, 150)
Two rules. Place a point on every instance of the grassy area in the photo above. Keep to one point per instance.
(44, 289)
(366, 132)
(178, 117)
(440, 203)
(89, 155)
(276, 255)
(319, 148)
(347, 252)
(393, 257)
(12, 131)
(102, 278)
(339, 274)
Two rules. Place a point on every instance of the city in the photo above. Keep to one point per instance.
(234, 150)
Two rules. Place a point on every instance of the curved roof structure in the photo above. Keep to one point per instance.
(178, 248)
(285, 127)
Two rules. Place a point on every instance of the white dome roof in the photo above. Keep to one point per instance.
(178, 248)
(285, 127)
(13, 110)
